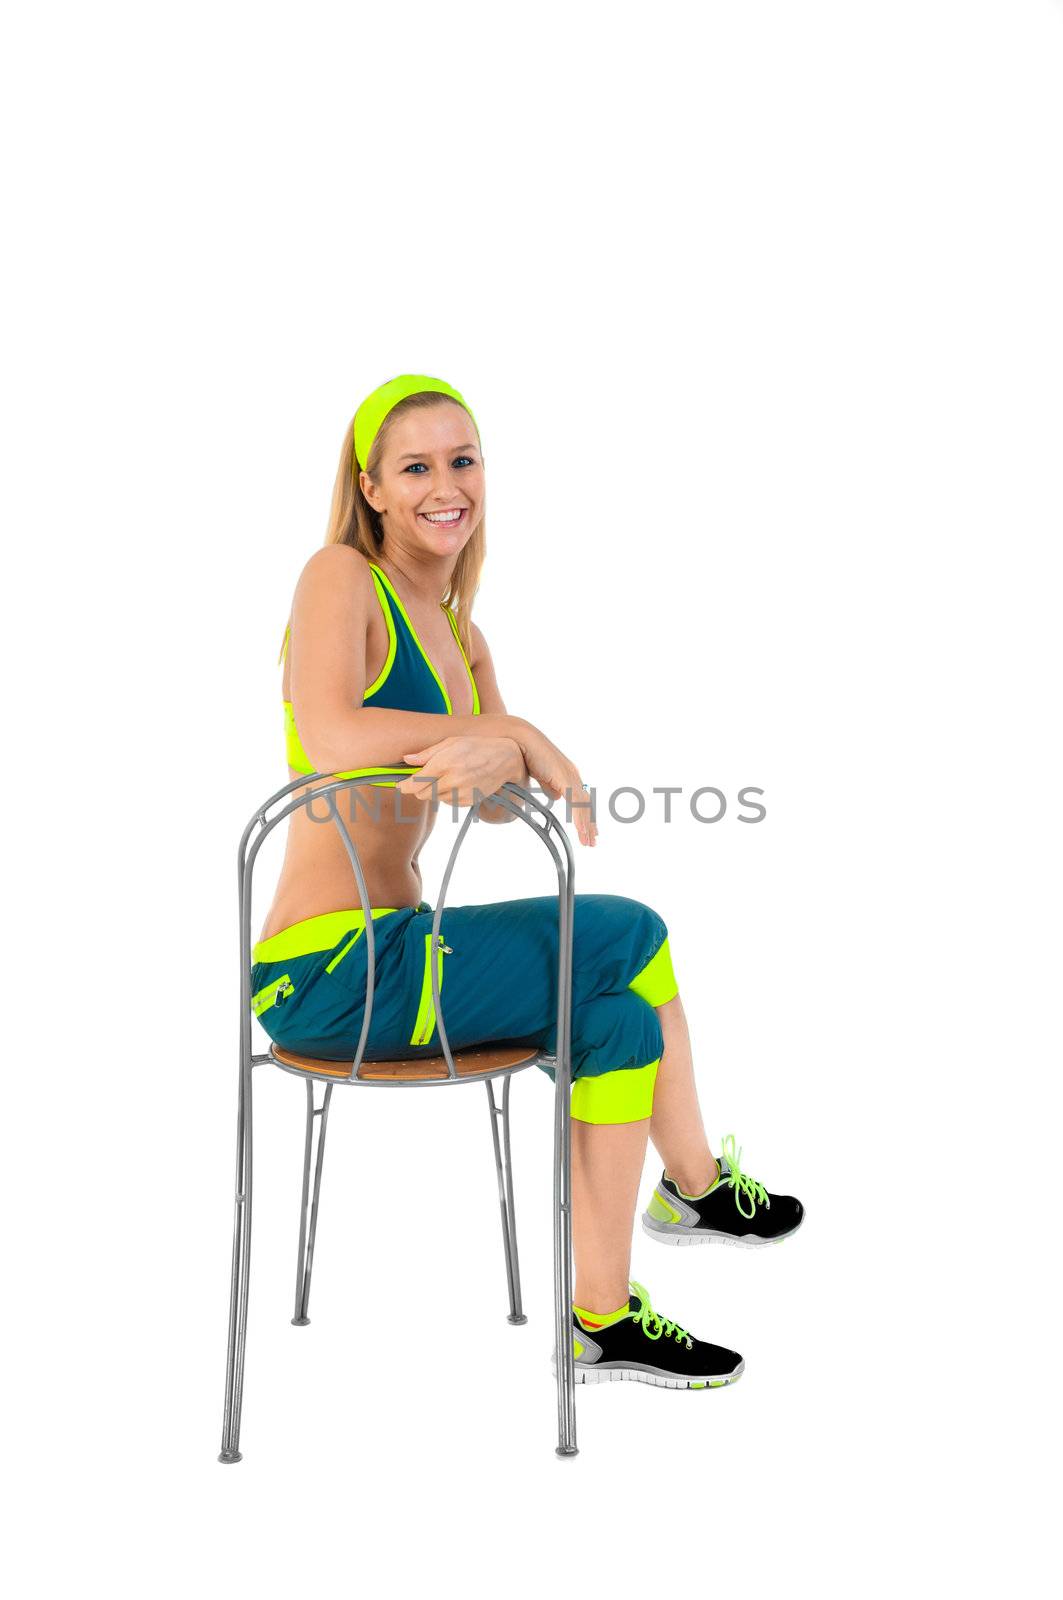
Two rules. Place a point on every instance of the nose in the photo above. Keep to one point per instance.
(448, 494)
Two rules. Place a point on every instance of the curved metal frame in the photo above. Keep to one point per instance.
(254, 835)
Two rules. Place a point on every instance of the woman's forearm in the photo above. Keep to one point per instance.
(375, 736)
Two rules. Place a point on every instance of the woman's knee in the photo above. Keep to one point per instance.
(617, 932)
(653, 977)
(655, 982)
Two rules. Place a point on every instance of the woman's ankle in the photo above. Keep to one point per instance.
(693, 1181)
(603, 1301)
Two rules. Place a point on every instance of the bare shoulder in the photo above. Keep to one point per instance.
(337, 565)
(334, 600)
(336, 583)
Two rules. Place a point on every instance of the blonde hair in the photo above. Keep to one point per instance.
(352, 520)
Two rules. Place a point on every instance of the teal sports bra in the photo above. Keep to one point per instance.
(407, 681)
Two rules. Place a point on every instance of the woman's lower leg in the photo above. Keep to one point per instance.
(607, 1164)
(676, 1128)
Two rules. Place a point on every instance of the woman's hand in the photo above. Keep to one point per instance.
(462, 768)
(557, 776)
(463, 764)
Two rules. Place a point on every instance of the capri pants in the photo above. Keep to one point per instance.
(497, 968)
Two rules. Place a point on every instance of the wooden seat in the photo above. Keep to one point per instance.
(473, 1063)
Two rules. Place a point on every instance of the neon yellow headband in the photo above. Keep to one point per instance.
(375, 407)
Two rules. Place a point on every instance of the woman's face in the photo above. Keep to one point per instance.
(430, 470)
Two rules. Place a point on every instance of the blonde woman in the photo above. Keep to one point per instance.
(384, 671)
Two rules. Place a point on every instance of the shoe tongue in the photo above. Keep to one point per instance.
(725, 1167)
(634, 1303)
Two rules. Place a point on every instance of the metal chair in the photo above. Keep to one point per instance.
(484, 1064)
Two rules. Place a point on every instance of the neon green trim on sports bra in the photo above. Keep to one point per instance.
(298, 759)
(390, 620)
(389, 658)
(427, 658)
(297, 756)
(464, 657)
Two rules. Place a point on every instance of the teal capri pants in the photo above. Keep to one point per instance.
(497, 968)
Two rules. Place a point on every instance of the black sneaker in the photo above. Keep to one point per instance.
(735, 1209)
(643, 1347)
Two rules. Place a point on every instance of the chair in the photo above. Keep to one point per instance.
(480, 1065)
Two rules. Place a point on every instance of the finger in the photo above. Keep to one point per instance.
(583, 813)
(418, 783)
(431, 759)
(437, 785)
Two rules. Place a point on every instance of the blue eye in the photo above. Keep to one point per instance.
(420, 464)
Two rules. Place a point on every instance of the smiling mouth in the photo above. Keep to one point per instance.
(443, 519)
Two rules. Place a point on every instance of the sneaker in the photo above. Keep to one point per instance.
(639, 1346)
(735, 1209)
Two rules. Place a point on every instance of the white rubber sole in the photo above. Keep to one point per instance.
(598, 1374)
(673, 1234)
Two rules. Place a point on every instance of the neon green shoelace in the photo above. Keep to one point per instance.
(653, 1324)
(741, 1182)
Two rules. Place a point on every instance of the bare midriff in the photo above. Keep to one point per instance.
(389, 830)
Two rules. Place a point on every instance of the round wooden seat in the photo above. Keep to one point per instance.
(473, 1063)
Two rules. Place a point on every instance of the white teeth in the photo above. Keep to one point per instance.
(441, 516)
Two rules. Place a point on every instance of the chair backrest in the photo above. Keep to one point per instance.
(262, 824)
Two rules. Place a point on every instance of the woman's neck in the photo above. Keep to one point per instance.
(424, 579)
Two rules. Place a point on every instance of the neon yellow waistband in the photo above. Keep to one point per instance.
(315, 933)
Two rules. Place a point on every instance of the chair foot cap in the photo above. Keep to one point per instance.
(300, 1322)
(229, 1456)
(566, 1450)
(517, 1321)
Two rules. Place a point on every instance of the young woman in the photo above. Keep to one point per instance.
(385, 671)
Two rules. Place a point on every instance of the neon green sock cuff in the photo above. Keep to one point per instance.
(704, 1192)
(600, 1319)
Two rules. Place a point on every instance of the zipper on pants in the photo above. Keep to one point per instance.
(426, 1011)
(272, 995)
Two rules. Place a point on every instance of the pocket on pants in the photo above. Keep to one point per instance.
(345, 950)
(272, 994)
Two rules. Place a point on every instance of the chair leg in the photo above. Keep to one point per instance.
(234, 1366)
(504, 1170)
(306, 1238)
(566, 1356)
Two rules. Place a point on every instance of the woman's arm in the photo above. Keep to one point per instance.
(330, 625)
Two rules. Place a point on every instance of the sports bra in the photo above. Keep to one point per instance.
(407, 681)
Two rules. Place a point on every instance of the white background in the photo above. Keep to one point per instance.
(758, 306)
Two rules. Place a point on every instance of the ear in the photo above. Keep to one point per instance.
(370, 490)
